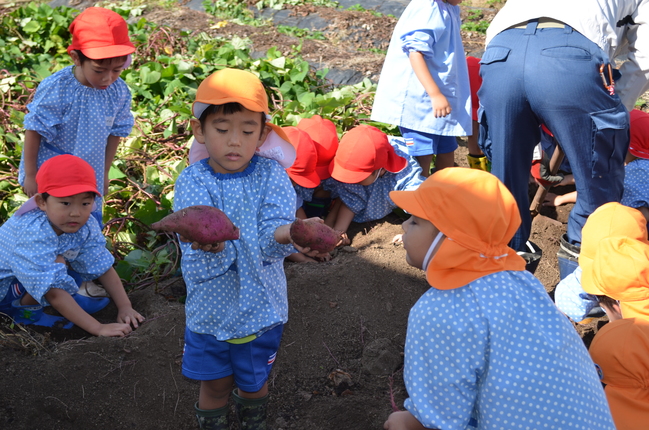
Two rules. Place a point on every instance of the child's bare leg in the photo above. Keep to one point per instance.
(472, 141)
(214, 394)
(300, 214)
(424, 161)
(332, 216)
(298, 257)
(27, 300)
(445, 160)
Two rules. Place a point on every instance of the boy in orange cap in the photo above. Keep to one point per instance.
(477, 355)
(52, 230)
(367, 166)
(237, 303)
(609, 220)
(325, 138)
(84, 109)
(620, 350)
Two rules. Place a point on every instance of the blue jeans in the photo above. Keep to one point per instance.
(550, 76)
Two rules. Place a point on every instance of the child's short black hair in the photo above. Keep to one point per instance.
(226, 109)
(607, 301)
(83, 58)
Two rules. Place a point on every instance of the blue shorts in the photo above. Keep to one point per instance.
(419, 143)
(205, 358)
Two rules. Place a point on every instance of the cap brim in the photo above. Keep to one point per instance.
(108, 52)
(310, 180)
(71, 190)
(341, 174)
(199, 107)
(407, 200)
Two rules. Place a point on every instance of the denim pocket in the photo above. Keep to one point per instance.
(610, 139)
(567, 53)
(494, 54)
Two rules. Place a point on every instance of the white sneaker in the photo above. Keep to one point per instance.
(90, 289)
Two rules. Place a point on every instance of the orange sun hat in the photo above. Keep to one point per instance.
(303, 170)
(477, 214)
(620, 351)
(639, 132)
(609, 220)
(100, 33)
(362, 150)
(621, 271)
(325, 137)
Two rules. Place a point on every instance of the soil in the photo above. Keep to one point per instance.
(340, 361)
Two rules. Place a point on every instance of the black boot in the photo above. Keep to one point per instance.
(213, 419)
(568, 256)
(251, 413)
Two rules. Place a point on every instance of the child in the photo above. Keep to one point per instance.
(424, 85)
(609, 220)
(325, 138)
(485, 346)
(367, 166)
(37, 243)
(636, 171)
(236, 293)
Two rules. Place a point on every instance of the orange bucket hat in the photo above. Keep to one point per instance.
(609, 220)
(362, 150)
(639, 131)
(477, 214)
(621, 352)
(100, 33)
(243, 87)
(621, 271)
(325, 137)
(303, 169)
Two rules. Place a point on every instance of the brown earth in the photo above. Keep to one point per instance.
(340, 362)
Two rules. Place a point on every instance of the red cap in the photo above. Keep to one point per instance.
(475, 82)
(303, 169)
(362, 150)
(100, 33)
(65, 176)
(639, 130)
(325, 137)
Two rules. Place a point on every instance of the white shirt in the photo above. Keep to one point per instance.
(598, 21)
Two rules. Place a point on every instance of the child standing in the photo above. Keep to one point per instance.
(367, 166)
(236, 291)
(83, 109)
(38, 242)
(468, 362)
(424, 85)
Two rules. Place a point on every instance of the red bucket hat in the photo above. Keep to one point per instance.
(639, 130)
(362, 150)
(66, 175)
(303, 170)
(100, 33)
(325, 137)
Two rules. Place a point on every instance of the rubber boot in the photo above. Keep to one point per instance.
(251, 413)
(213, 419)
(568, 256)
(532, 256)
(479, 162)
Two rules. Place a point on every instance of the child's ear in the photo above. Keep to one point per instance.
(265, 131)
(40, 201)
(197, 130)
(75, 58)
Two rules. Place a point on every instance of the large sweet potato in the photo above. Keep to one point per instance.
(203, 224)
(314, 234)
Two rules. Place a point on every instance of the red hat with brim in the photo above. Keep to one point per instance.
(639, 131)
(362, 150)
(66, 175)
(303, 169)
(100, 33)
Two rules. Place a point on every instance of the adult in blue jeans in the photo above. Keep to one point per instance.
(542, 66)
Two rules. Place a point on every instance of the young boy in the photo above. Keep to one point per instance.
(486, 347)
(236, 291)
(37, 245)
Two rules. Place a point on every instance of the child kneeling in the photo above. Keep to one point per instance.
(486, 347)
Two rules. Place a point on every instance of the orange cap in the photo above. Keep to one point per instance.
(621, 271)
(66, 175)
(100, 33)
(621, 352)
(362, 150)
(609, 220)
(478, 215)
(639, 130)
(303, 169)
(325, 137)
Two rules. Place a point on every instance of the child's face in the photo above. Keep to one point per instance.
(67, 214)
(372, 178)
(231, 139)
(418, 235)
(97, 75)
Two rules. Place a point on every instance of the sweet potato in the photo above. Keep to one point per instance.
(203, 224)
(314, 234)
